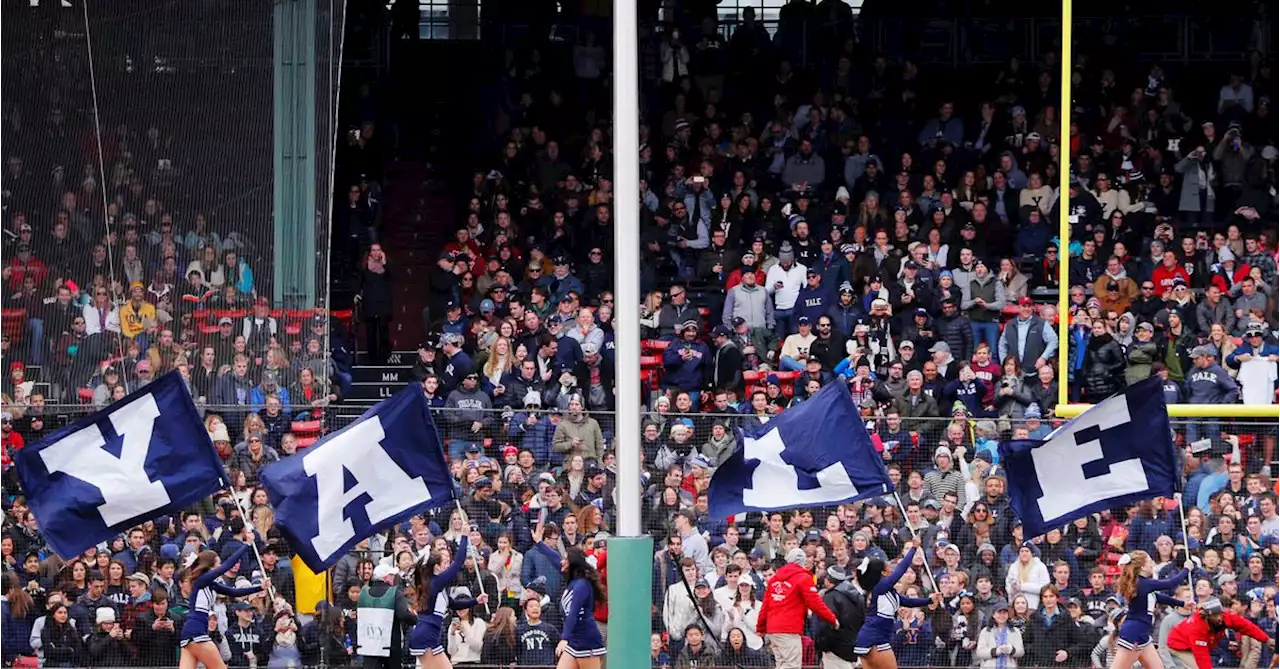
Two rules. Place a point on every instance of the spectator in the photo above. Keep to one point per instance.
(107, 645)
(376, 304)
(60, 643)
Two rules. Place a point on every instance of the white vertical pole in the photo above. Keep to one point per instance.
(626, 262)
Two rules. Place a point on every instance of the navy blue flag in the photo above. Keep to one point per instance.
(145, 456)
(1117, 452)
(817, 453)
(360, 480)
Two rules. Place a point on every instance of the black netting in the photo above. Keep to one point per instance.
(141, 177)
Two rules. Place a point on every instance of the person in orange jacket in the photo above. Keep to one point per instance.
(788, 598)
(1191, 640)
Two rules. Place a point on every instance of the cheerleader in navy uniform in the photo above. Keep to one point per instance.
(203, 570)
(1142, 592)
(431, 581)
(875, 637)
(581, 644)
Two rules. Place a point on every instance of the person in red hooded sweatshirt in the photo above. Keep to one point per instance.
(788, 598)
(1191, 641)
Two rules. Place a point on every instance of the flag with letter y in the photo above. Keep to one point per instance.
(366, 477)
(817, 453)
(144, 456)
(1117, 452)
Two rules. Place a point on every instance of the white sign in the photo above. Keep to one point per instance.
(373, 631)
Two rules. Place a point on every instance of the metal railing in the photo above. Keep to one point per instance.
(977, 40)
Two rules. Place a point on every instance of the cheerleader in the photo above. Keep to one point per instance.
(581, 644)
(431, 581)
(203, 570)
(1142, 592)
(874, 639)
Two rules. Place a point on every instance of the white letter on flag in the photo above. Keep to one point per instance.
(776, 484)
(1060, 464)
(127, 491)
(359, 451)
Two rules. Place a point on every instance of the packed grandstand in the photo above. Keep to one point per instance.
(827, 197)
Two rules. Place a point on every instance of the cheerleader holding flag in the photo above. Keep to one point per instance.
(1142, 592)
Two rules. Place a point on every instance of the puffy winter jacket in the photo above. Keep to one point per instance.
(1103, 367)
(788, 597)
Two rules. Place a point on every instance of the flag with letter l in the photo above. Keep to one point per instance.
(386, 466)
(1118, 451)
(817, 453)
(142, 457)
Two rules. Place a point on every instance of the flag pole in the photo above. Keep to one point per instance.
(1186, 541)
(916, 538)
(248, 522)
(457, 502)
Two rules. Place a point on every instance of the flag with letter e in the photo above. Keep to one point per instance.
(142, 457)
(817, 453)
(364, 478)
(1117, 452)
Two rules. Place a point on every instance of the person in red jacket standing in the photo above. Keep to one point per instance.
(788, 598)
(1191, 640)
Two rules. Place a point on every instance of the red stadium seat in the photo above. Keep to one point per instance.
(293, 329)
(343, 315)
(13, 322)
(233, 314)
(651, 346)
(201, 315)
(307, 431)
(206, 329)
(305, 426)
(298, 315)
(650, 371)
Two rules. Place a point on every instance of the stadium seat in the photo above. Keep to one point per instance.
(234, 314)
(651, 346)
(306, 430)
(14, 323)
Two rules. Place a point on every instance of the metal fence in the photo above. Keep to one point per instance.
(502, 425)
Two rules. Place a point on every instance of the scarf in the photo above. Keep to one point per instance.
(1002, 637)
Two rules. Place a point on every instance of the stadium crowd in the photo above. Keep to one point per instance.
(848, 222)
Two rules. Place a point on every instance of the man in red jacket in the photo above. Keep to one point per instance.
(1191, 640)
(788, 598)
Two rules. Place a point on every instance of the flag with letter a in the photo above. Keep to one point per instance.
(1117, 452)
(364, 478)
(142, 457)
(817, 453)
